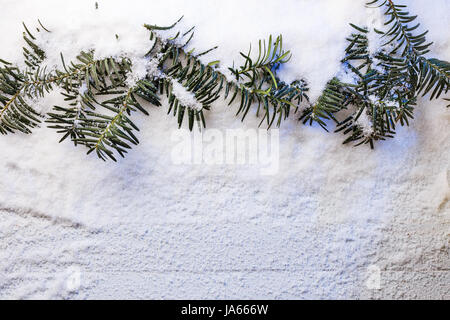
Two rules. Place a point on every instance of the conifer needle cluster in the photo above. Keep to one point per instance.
(99, 101)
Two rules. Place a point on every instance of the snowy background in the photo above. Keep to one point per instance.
(72, 226)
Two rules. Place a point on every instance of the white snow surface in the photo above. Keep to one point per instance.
(73, 226)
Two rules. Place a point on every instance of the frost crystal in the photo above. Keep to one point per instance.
(138, 71)
(185, 97)
(365, 123)
(153, 67)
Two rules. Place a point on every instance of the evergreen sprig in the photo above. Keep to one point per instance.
(400, 33)
(385, 85)
(181, 69)
(18, 88)
(257, 82)
(379, 90)
(16, 114)
(270, 57)
(100, 125)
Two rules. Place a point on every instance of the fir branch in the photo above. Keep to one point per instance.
(17, 86)
(383, 91)
(435, 74)
(110, 132)
(330, 102)
(270, 57)
(257, 81)
(85, 83)
(387, 83)
(184, 71)
(400, 31)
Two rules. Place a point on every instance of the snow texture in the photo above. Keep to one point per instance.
(186, 98)
(75, 227)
